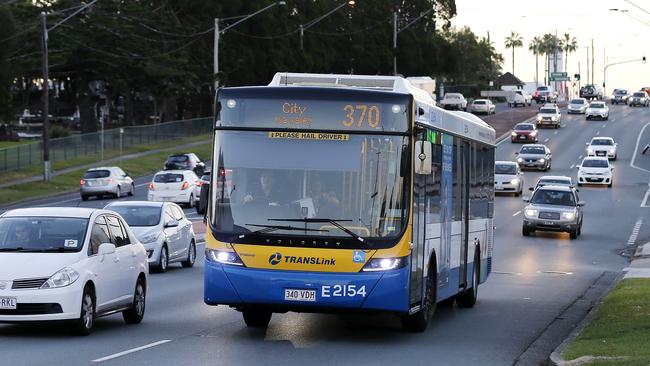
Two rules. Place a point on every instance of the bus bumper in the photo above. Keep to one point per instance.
(239, 286)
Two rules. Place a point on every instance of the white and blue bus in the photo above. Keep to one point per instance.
(339, 193)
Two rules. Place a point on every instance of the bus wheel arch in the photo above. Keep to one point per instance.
(419, 321)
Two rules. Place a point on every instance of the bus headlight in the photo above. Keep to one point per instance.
(224, 257)
(383, 264)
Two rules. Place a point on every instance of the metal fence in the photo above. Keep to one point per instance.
(89, 144)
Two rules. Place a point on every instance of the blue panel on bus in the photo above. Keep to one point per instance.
(386, 291)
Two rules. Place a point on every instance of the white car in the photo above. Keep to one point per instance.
(163, 229)
(519, 97)
(597, 110)
(553, 180)
(454, 101)
(178, 186)
(72, 264)
(549, 115)
(602, 146)
(595, 170)
(482, 106)
(507, 177)
(577, 105)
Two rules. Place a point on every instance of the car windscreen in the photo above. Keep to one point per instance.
(93, 174)
(139, 215)
(168, 178)
(479, 102)
(42, 234)
(548, 181)
(505, 169)
(540, 88)
(532, 150)
(552, 197)
(577, 101)
(602, 142)
(452, 96)
(524, 127)
(597, 105)
(595, 163)
(639, 95)
(177, 159)
(547, 111)
(620, 92)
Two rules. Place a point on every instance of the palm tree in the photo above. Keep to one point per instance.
(551, 44)
(513, 41)
(569, 44)
(535, 48)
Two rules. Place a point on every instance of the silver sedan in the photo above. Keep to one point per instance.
(103, 181)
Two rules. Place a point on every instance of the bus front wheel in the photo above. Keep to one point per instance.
(419, 321)
(256, 318)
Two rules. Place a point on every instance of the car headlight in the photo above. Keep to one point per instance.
(611, 151)
(568, 215)
(515, 181)
(541, 160)
(150, 238)
(590, 151)
(224, 257)
(513, 133)
(383, 264)
(520, 160)
(531, 212)
(539, 118)
(62, 278)
(534, 133)
(554, 118)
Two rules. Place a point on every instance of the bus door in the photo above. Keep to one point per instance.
(419, 229)
(464, 172)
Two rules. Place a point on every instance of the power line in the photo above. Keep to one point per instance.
(19, 33)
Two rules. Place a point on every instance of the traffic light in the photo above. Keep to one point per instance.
(576, 76)
(643, 59)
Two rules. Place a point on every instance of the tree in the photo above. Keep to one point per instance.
(551, 44)
(569, 45)
(535, 47)
(7, 36)
(513, 41)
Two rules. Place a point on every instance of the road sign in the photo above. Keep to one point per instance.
(560, 78)
(556, 74)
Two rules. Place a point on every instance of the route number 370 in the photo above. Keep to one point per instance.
(361, 114)
(343, 291)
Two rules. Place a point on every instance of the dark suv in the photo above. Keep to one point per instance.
(187, 161)
(591, 91)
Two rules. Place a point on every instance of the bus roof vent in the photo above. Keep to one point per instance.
(367, 82)
(307, 80)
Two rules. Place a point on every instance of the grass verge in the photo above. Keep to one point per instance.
(108, 154)
(4, 144)
(620, 327)
(136, 167)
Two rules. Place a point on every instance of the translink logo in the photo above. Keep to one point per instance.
(276, 258)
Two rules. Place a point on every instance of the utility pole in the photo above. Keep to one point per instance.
(313, 22)
(592, 62)
(394, 43)
(46, 101)
(580, 77)
(216, 55)
(588, 65)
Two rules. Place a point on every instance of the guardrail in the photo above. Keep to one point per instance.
(89, 144)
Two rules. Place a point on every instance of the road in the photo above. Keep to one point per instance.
(534, 279)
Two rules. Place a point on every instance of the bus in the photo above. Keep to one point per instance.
(346, 193)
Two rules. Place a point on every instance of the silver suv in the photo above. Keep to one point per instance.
(553, 208)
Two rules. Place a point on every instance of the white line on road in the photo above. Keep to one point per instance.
(132, 350)
(546, 139)
(555, 132)
(597, 133)
(604, 125)
(508, 273)
(635, 232)
(572, 166)
(636, 149)
(57, 202)
(644, 203)
(579, 157)
(516, 213)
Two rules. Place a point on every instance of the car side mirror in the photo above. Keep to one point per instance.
(516, 153)
(611, 168)
(171, 223)
(526, 199)
(581, 203)
(577, 166)
(531, 189)
(106, 248)
(586, 143)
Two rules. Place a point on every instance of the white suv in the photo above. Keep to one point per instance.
(595, 170)
(549, 115)
(73, 264)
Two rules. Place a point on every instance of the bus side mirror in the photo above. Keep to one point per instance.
(422, 161)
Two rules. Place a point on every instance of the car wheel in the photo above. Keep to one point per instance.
(163, 261)
(190, 204)
(573, 234)
(84, 197)
(614, 158)
(525, 231)
(580, 229)
(84, 325)
(256, 318)
(467, 298)
(579, 184)
(135, 313)
(419, 321)
(191, 256)
(132, 191)
(118, 192)
(610, 184)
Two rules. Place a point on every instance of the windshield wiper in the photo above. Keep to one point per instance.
(16, 249)
(47, 250)
(269, 228)
(334, 222)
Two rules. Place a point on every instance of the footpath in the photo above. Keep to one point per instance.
(615, 331)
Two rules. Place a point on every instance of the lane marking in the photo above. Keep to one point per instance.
(635, 232)
(516, 213)
(604, 125)
(57, 202)
(636, 149)
(556, 272)
(579, 157)
(132, 350)
(597, 132)
(572, 166)
(644, 202)
(508, 273)
(555, 133)
(546, 139)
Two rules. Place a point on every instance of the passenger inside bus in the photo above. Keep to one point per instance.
(326, 201)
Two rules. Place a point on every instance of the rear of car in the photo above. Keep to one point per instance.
(553, 208)
(507, 178)
(105, 181)
(173, 186)
(453, 101)
(481, 106)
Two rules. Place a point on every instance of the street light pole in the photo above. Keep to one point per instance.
(398, 31)
(47, 171)
(217, 34)
(643, 60)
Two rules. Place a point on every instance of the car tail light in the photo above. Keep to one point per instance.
(82, 182)
(109, 180)
(151, 186)
(185, 185)
(199, 183)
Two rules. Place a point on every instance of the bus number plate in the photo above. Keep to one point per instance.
(299, 295)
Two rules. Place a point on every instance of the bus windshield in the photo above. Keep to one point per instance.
(327, 189)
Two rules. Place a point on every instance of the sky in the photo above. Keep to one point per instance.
(617, 36)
